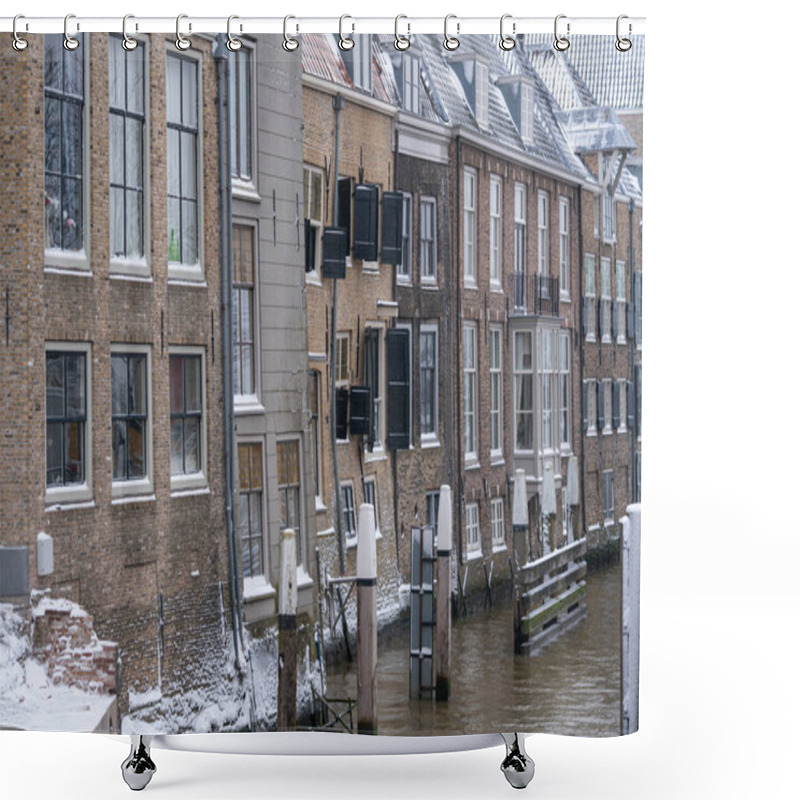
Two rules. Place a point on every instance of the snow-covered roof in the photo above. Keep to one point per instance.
(595, 128)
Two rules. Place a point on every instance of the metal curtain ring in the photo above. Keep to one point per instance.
(623, 43)
(181, 42)
(561, 43)
(233, 44)
(70, 42)
(507, 42)
(345, 42)
(401, 42)
(451, 42)
(128, 43)
(17, 42)
(290, 44)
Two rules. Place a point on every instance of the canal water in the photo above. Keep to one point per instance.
(571, 687)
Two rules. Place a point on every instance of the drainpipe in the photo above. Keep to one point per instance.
(459, 437)
(632, 359)
(581, 349)
(226, 235)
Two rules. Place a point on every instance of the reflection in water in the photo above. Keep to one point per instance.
(571, 687)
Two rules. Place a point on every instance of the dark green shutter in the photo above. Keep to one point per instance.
(334, 253)
(342, 397)
(345, 198)
(392, 228)
(371, 379)
(584, 314)
(630, 407)
(601, 411)
(398, 343)
(311, 245)
(360, 404)
(614, 319)
(630, 321)
(365, 223)
(615, 387)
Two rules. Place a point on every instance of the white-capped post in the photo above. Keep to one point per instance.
(367, 628)
(287, 633)
(444, 546)
(519, 519)
(631, 555)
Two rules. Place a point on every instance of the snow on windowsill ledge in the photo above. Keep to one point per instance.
(474, 555)
(257, 588)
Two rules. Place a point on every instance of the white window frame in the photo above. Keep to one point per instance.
(411, 83)
(309, 172)
(79, 492)
(472, 530)
(597, 216)
(542, 230)
(431, 278)
(498, 525)
(496, 232)
(301, 506)
(591, 406)
(316, 440)
(471, 380)
(245, 187)
(590, 293)
(526, 112)
(609, 217)
(605, 300)
(608, 406)
(379, 402)
(520, 373)
(351, 536)
(564, 392)
(141, 486)
(342, 336)
(265, 560)
(482, 94)
(547, 368)
(371, 480)
(563, 247)
(622, 385)
(253, 401)
(622, 305)
(608, 497)
(403, 269)
(496, 391)
(431, 438)
(470, 261)
(199, 479)
(520, 245)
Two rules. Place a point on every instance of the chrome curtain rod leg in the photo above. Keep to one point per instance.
(517, 766)
(138, 768)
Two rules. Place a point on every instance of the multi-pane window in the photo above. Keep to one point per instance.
(608, 496)
(66, 391)
(185, 414)
(243, 325)
(590, 293)
(542, 226)
(126, 149)
(482, 94)
(590, 397)
(520, 244)
(404, 267)
(495, 229)
(358, 61)
(369, 497)
(312, 213)
(313, 408)
(348, 511)
(470, 194)
(605, 299)
(523, 389)
(496, 390)
(526, 112)
(251, 504)
(609, 217)
(563, 246)
(289, 490)
(128, 416)
(427, 239)
(432, 511)
(342, 359)
(607, 400)
(182, 161)
(374, 380)
(64, 97)
(470, 398)
(411, 83)
(472, 529)
(240, 74)
(547, 369)
(428, 382)
(621, 303)
(498, 524)
(563, 390)
(622, 402)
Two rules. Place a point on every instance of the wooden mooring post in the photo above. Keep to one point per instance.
(287, 634)
(367, 614)
(444, 527)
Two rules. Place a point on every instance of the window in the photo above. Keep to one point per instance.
(609, 218)
(523, 390)
(411, 83)
(590, 294)
(349, 512)
(470, 399)
(473, 530)
(526, 113)
(637, 300)
(251, 504)
(621, 403)
(590, 407)
(565, 517)
(342, 359)
(605, 299)
(316, 440)
(239, 71)
(358, 61)
(498, 524)
(186, 414)
(607, 405)
(563, 246)
(427, 239)
(126, 151)
(547, 369)
(432, 511)
(312, 213)
(129, 413)
(64, 108)
(373, 379)
(495, 230)
(496, 391)
(470, 192)
(369, 497)
(563, 390)
(608, 497)
(67, 432)
(404, 267)
(398, 387)
(597, 216)
(482, 94)
(182, 161)
(289, 491)
(243, 307)
(621, 304)
(542, 223)
(428, 382)
(520, 244)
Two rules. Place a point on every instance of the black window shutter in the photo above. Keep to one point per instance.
(345, 190)
(399, 389)
(615, 405)
(601, 411)
(631, 321)
(614, 319)
(342, 397)
(311, 245)
(584, 313)
(597, 319)
(629, 406)
(392, 228)
(638, 389)
(365, 223)
(637, 277)
(360, 404)
(585, 406)
(334, 253)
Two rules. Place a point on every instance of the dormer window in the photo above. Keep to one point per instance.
(518, 92)
(411, 81)
(473, 74)
(482, 94)
(358, 61)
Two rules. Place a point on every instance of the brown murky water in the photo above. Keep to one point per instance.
(571, 687)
